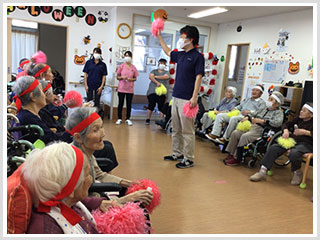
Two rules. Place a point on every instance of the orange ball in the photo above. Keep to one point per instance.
(161, 13)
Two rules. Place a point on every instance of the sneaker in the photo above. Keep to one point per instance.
(119, 121)
(258, 176)
(129, 122)
(229, 157)
(297, 178)
(211, 136)
(173, 158)
(185, 163)
(232, 162)
(147, 121)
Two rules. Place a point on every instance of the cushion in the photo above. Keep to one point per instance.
(19, 203)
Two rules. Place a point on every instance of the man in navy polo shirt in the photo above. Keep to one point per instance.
(190, 69)
(95, 72)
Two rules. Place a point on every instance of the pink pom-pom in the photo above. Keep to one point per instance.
(143, 185)
(157, 25)
(190, 112)
(73, 98)
(129, 219)
(39, 57)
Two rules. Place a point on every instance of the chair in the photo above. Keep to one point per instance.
(306, 158)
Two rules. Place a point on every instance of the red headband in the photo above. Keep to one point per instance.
(37, 74)
(28, 90)
(47, 87)
(71, 216)
(23, 63)
(84, 123)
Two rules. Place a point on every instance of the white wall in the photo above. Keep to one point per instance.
(100, 32)
(259, 31)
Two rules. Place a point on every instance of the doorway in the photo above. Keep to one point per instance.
(235, 68)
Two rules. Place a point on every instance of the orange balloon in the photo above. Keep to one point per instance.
(161, 13)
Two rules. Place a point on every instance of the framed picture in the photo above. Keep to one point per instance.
(151, 61)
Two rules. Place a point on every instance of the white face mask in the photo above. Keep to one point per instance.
(96, 56)
(269, 104)
(127, 59)
(162, 66)
(181, 44)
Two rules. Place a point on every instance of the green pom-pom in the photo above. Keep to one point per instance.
(269, 172)
(303, 185)
(212, 115)
(233, 113)
(162, 90)
(244, 126)
(286, 143)
(170, 103)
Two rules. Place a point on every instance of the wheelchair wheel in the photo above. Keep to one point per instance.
(283, 160)
(251, 163)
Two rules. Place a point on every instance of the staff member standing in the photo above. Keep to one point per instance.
(190, 69)
(126, 74)
(95, 72)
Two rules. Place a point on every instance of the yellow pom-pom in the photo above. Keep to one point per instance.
(244, 126)
(212, 115)
(286, 143)
(233, 113)
(170, 103)
(162, 90)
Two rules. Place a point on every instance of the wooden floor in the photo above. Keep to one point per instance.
(210, 198)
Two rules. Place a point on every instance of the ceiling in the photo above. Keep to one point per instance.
(235, 13)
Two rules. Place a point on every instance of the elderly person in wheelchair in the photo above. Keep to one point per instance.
(301, 130)
(58, 178)
(86, 126)
(248, 106)
(29, 100)
(271, 115)
(227, 104)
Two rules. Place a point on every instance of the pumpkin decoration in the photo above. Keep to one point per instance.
(161, 13)
(79, 60)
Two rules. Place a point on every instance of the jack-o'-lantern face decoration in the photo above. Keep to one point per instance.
(161, 13)
(79, 60)
(293, 68)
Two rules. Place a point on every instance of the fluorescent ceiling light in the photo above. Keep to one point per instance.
(21, 23)
(208, 12)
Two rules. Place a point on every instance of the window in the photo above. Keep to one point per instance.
(24, 39)
(232, 63)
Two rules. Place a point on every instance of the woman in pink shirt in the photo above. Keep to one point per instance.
(126, 74)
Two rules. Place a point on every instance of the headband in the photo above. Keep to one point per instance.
(259, 88)
(47, 87)
(84, 123)
(37, 74)
(71, 216)
(276, 98)
(28, 90)
(308, 107)
(23, 63)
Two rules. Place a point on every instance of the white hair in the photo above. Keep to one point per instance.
(21, 85)
(44, 84)
(77, 116)
(233, 89)
(47, 171)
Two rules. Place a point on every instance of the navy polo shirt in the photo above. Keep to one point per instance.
(189, 65)
(95, 73)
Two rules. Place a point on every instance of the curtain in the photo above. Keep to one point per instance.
(24, 45)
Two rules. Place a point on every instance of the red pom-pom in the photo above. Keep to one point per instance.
(143, 185)
(201, 88)
(73, 99)
(210, 55)
(157, 25)
(171, 62)
(212, 81)
(214, 72)
(214, 62)
(129, 219)
(171, 71)
(175, 50)
(209, 91)
(171, 81)
(39, 57)
(190, 112)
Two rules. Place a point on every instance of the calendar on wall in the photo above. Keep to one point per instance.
(274, 70)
